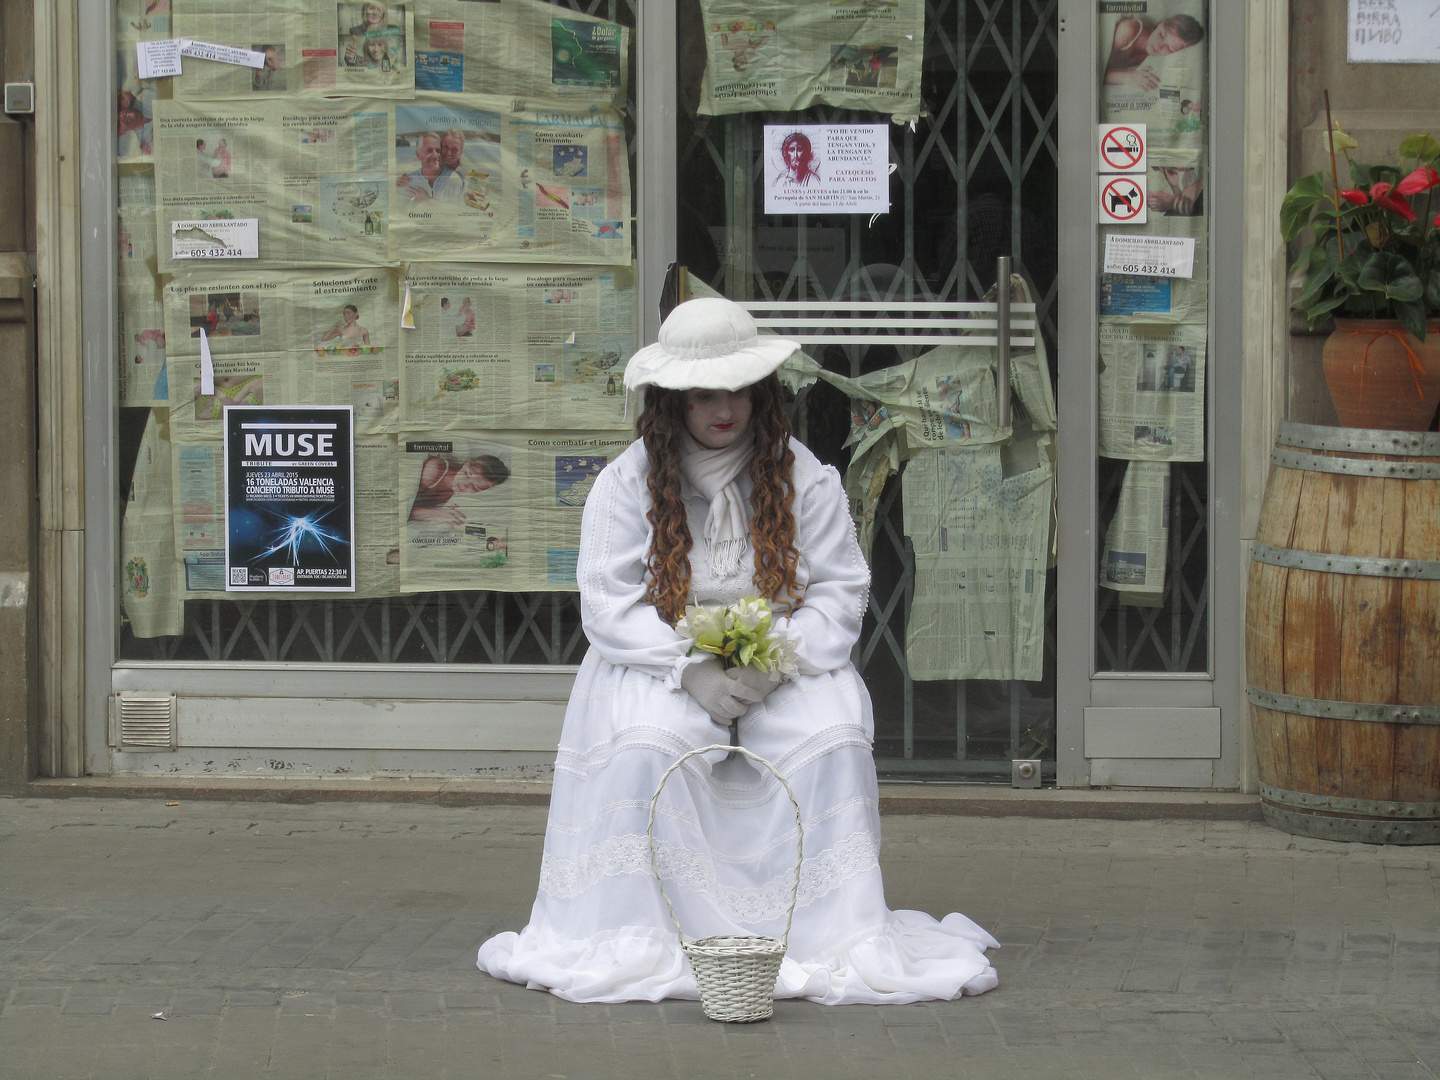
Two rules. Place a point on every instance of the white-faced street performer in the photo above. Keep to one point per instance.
(716, 502)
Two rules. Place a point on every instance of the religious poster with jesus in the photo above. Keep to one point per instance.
(827, 168)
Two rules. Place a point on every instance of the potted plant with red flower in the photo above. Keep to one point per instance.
(1372, 264)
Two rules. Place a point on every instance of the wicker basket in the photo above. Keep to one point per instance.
(735, 973)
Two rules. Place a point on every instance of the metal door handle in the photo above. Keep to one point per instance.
(1002, 340)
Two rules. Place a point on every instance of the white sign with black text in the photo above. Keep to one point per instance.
(157, 59)
(222, 54)
(1393, 32)
(224, 238)
(827, 168)
(1150, 256)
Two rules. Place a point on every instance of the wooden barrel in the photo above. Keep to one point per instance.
(1343, 635)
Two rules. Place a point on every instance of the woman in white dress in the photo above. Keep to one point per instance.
(713, 503)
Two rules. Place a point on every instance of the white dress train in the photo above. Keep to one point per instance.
(599, 930)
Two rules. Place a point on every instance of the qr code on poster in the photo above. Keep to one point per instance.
(239, 575)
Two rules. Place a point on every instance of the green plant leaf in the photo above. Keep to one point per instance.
(1391, 173)
(1322, 308)
(1420, 146)
(1359, 175)
(1411, 314)
(1432, 290)
(1388, 273)
(1298, 202)
(1320, 274)
(1302, 260)
(1348, 271)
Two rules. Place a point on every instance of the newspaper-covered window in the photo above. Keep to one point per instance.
(1153, 71)
(421, 210)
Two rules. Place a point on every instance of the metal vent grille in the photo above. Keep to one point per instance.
(145, 721)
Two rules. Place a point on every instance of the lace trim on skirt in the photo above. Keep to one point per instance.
(629, 853)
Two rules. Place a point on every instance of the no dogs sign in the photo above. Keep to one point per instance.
(1122, 200)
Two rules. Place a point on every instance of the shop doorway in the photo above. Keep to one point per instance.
(974, 178)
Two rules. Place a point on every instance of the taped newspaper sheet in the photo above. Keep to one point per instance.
(516, 346)
(784, 57)
(980, 520)
(522, 48)
(140, 317)
(371, 182)
(137, 22)
(1137, 543)
(297, 50)
(284, 338)
(1152, 392)
(496, 510)
(483, 182)
(1156, 57)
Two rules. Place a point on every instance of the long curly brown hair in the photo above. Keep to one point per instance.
(772, 521)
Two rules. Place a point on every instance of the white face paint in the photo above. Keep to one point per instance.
(716, 418)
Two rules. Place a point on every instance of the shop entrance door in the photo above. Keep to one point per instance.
(958, 648)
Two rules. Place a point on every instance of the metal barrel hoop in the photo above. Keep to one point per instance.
(1325, 562)
(1358, 440)
(799, 832)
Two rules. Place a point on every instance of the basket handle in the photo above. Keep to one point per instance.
(799, 833)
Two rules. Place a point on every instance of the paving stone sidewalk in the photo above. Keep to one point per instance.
(337, 941)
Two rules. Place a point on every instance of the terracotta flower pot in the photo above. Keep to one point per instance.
(1379, 376)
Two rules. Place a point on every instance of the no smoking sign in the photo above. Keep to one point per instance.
(1122, 200)
(1122, 148)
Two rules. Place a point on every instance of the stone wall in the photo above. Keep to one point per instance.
(18, 717)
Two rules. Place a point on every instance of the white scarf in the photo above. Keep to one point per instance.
(715, 474)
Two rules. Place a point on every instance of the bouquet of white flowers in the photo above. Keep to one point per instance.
(741, 635)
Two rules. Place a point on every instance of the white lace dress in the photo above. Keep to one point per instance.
(599, 930)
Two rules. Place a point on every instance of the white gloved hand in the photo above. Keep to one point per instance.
(722, 697)
(762, 682)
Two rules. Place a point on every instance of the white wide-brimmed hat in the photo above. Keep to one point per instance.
(708, 343)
